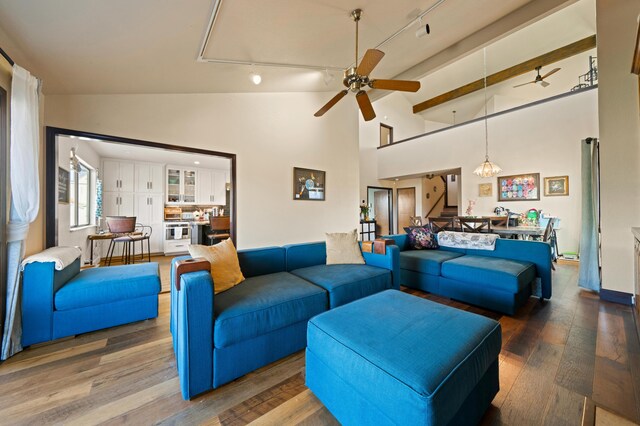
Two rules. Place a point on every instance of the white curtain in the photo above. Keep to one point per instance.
(589, 272)
(25, 194)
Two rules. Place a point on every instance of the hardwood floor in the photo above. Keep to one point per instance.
(554, 354)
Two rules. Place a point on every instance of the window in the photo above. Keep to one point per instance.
(79, 193)
(386, 134)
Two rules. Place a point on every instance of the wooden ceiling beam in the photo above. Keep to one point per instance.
(514, 71)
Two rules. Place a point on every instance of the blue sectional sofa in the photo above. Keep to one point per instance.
(63, 303)
(501, 280)
(218, 338)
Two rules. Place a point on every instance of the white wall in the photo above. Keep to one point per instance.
(270, 133)
(76, 237)
(394, 111)
(543, 139)
(619, 137)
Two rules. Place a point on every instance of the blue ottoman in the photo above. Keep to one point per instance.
(393, 358)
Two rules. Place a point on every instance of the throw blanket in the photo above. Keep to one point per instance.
(467, 240)
(62, 256)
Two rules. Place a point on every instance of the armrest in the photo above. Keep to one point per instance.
(401, 240)
(390, 260)
(174, 296)
(193, 334)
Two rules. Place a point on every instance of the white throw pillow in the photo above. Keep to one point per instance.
(343, 248)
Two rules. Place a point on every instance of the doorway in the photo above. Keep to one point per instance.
(4, 151)
(406, 206)
(381, 201)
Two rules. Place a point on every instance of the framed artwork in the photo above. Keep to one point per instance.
(63, 186)
(485, 189)
(524, 187)
(308, 184)
(556, 186)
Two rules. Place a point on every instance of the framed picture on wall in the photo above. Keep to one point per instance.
(63, 186)
(556, 186)
(308, 184)
(485, 189)
(524, 187)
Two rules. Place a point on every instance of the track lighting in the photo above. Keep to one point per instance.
(423, 29)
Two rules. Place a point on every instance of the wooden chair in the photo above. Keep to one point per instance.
(415, 220)
(220, 228)
(475, 224)
(549, 237)
(441, 224)
(120, 227)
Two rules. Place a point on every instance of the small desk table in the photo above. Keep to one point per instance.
(104, 236)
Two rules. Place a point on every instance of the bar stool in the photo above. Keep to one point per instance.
(220, 228)
(120, 227)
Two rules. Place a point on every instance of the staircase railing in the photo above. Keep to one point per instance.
(426, 217)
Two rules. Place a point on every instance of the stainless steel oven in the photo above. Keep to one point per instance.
(177, 237)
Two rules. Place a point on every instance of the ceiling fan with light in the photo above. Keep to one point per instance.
(540, 79)
(356, 78)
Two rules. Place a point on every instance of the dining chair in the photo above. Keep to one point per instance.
(120, 227)
(438, 224)
(475, 224)
(415, 220)
(220, 227)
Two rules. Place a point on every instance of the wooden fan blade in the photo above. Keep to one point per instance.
(369, 61)
(524, 84)
(365, 106)
(553, 71)
(331, 103)
(402, 85)
(544, 83)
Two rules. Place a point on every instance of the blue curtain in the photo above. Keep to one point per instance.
(589, 277)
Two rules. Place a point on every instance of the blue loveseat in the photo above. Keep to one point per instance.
(218, 338)
(501, 280)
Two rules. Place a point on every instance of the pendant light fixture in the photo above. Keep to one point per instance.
(487, 168)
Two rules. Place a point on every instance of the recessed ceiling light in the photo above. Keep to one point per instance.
(255, 78)
(196, 162)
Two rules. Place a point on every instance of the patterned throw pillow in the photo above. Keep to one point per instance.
(421, 237)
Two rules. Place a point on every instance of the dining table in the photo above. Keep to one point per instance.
(523, 232)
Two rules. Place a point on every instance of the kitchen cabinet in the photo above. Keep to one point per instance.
(118, 204)
(117, 176)
(149, 178)
(211, 187)
(181, 185)
(149, 208)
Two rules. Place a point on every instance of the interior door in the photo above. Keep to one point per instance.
(406, 206)
(381, 207)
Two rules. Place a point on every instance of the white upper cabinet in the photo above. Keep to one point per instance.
(205, 186)
(219, 187)
(181, 185)
(149, 178)
(117, 176)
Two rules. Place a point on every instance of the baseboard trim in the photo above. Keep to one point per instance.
(616, 297)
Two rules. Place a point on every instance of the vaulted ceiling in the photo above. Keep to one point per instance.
(152, 46)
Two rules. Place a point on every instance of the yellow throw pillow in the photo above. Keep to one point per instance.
(343, 248)
(225, 268)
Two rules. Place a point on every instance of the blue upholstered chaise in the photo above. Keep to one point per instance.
(63, 303)
(501, 280)
(218, 338)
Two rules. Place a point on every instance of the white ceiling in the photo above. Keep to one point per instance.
(106, 149)
(151, 46)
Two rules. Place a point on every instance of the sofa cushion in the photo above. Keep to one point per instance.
(426, 261)
(262, 304)
(97, 286)
(421, 237)
(346, 283)
(503, 274)
(343, 248)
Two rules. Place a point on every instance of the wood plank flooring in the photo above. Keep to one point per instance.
(555, 357)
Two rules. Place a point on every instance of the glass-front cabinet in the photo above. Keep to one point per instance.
(189, 194)
(181, 185)
(173, 185)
